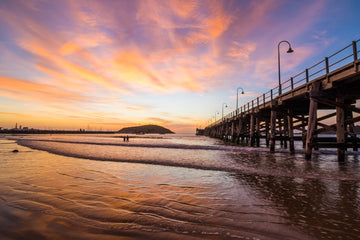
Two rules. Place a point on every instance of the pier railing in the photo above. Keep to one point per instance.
(329, 64)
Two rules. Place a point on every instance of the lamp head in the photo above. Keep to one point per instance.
(290, 50)
(242, 92)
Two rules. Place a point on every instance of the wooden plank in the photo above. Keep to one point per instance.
(332, 145)
(325, 128)
(299, 118)
(333, 126)
(327, 116)
(336, 104)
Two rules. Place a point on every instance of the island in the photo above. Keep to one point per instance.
(146, 129)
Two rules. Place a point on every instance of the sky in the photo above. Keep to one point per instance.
(108, 64)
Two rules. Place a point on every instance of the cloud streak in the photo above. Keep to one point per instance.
(26, 90)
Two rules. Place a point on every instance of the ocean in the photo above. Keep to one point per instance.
(172, 187)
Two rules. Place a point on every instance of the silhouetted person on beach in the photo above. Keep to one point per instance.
(127, 138)
(124, 138)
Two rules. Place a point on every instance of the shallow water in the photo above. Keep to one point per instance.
(171, 187)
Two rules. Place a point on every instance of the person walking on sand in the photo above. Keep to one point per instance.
(124, 138)
(127, 138)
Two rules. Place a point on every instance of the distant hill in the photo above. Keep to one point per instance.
(146, 129)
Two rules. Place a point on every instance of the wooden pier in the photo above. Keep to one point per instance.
(321, 99)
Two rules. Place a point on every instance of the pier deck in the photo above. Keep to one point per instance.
(321, 99)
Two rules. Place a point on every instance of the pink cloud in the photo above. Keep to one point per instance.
(242, 50)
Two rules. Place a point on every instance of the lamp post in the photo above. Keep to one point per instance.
(222, 116)
(290, 50)
(215, 116)
(237, 97)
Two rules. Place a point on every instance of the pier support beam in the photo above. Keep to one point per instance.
(303, 130)
(291, 131)
(244, 129)
(233, 132)
(340, 128)
(351, 131)
(227, 130)
(252, 130)
(222, 127)
(316, 147)
(286, 131)
(272, 126)
(246, 135)
(240, 128)
(280, 131)
(311, 120)
(267, 135)
(257, 130)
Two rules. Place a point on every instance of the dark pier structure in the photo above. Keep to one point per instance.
(307, 107)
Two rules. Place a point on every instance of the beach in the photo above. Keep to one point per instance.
(171, 187)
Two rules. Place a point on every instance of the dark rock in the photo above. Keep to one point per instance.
(146, 129)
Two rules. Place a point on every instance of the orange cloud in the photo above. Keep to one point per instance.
(72, 68)
(69, 48)
(25, 90)
(135, 108)
(70, 57)
(242, 50)
(62, 80)
(13, 114)
(91, 40)
(157, 120)
(184, 9)
(48, 47)
(171, 16)
(133, 67)
(218, 22)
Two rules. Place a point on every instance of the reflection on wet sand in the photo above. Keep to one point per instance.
(324, 208)
(272, 196)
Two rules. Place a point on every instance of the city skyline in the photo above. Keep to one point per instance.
(87, 64)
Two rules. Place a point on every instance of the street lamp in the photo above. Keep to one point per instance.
(222, 117)
(290, 50)
(215, 116)
(237, 97)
